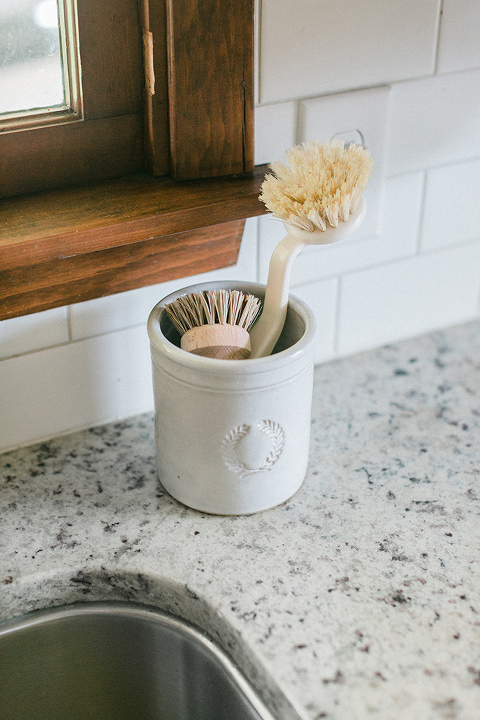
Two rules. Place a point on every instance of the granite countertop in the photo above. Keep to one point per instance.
(358, 598)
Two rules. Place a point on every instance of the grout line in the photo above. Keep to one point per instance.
(297, 116)
(458, 71)
(336, 328)
(72, 342)
(439, 166)
(69, 323)
(375, 86)
(386, 263)
(478, 300)
(329, 93)
(79, 429)
(421, 219)
(449, 73)
(438, 34)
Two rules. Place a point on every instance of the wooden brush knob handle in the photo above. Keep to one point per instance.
(224, 342)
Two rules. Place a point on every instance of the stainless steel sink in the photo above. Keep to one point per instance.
(105, 661)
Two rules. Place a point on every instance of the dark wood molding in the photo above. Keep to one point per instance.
(79, 151)
(69, 245)
(111, 57)
(55, 283)
(210, 87)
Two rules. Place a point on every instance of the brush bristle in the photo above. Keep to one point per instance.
(212, 307)
(320, 185)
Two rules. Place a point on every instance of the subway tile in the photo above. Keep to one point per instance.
(452, 205)
(33, 332)
(74, 386)
(321, 297)
(459, 47)
(433, 121)
(275, 131)
(397, 237)
(409, 297)
(114, 312)
(311, 48)
(362, 114)
(127, 309)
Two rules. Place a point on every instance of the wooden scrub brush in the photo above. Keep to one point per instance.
(318, 195)
(215, 323)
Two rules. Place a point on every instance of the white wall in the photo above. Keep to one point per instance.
(407, 77)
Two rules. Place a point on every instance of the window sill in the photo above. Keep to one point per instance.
(66, 246)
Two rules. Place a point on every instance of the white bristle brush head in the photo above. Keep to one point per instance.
(318, 193)
(319, 186)
(215, 323)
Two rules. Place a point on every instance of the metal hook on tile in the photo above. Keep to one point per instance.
(349, 137)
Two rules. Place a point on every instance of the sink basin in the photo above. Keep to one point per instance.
(113, 661)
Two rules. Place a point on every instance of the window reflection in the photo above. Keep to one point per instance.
(30, 59)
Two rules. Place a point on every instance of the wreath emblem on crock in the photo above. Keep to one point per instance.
(229, 447)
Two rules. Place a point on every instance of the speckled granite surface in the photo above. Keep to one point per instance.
(358, 598)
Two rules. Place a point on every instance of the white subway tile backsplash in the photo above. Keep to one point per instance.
(408, 297)
(74, 386)
(434, 121)
(32, 332)
(452, 205)
(114, 312)
(308, 47)
(321, 297)
(397, 238)
(364, 111)
(275, 131)
(127, 309)
(459, 47)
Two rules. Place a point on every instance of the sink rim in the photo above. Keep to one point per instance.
(137, 610)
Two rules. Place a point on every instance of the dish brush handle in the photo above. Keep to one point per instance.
(267, 330)
(224, 342)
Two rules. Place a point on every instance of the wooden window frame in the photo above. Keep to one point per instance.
(95, 239)
(106, 140)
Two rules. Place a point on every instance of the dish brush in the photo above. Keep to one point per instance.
(318, 195)
(215, 323)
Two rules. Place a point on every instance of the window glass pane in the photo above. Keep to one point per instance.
(30, 58)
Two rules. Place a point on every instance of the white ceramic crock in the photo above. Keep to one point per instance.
(232, 436)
